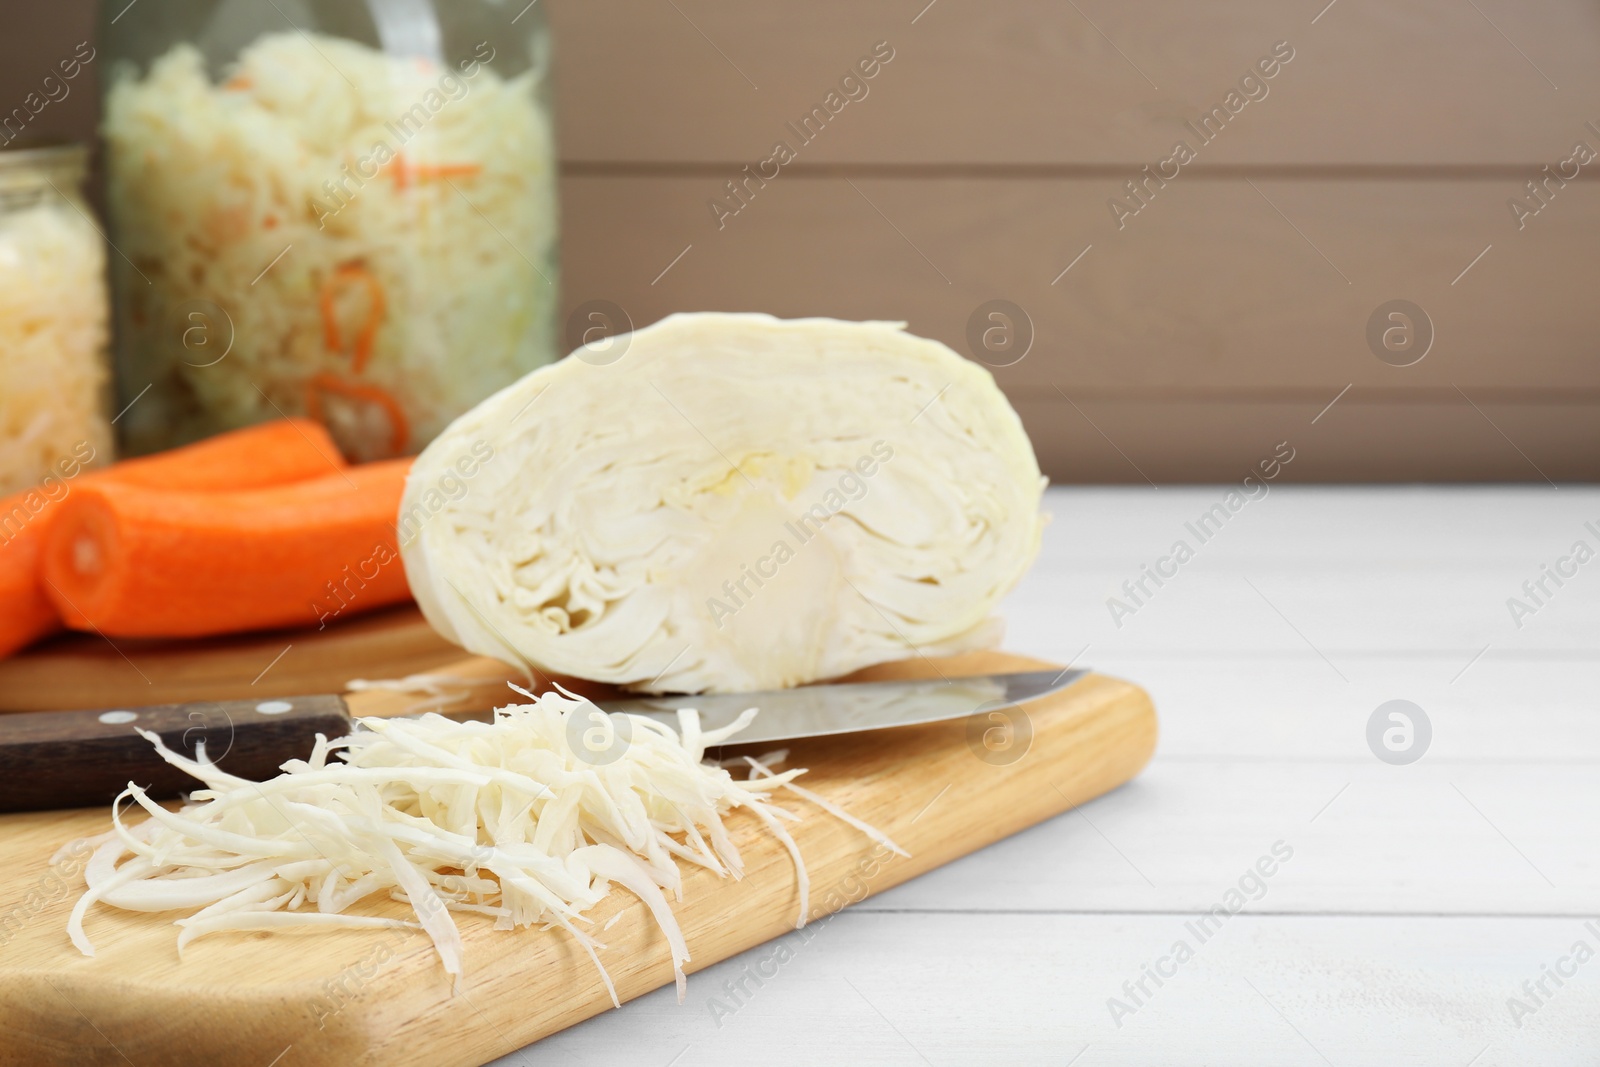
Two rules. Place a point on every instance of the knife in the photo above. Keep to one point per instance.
(65, 759)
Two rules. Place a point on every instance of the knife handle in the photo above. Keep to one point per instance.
(71, 759)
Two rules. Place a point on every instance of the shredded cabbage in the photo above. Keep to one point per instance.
(508, 819)
(440, 689)
(403, 294)
(52, 342)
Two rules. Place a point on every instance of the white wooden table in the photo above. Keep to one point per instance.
(1418, 899)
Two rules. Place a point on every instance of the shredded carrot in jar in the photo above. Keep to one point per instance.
(403, 171)
(399, 427)
(366, 336)
(447, 170)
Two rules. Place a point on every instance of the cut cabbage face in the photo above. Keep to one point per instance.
(727, 502)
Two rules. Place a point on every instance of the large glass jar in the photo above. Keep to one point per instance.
(53, 373)
(338, 208)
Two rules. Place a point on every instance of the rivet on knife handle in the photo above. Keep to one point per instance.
(69, 759)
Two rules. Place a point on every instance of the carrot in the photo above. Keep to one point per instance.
(28, 613)
(403, 172)
(447, 170)
(367, 335)
(399, 427)
(273, 453)
(130, 561)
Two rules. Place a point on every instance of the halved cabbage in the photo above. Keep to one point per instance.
(725, 502)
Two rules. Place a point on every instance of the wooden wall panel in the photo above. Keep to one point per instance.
(1418, 82)
(1182, 353)
(1368, 436)
(1208, 291)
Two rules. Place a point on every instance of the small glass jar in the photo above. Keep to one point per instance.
(337, 208)
(54, 386)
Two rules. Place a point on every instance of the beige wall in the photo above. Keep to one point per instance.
(1192, 336)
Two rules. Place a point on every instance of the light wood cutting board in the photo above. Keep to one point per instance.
(298, 998)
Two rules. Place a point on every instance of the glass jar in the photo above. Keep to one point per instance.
(337, 208)
(53, 363)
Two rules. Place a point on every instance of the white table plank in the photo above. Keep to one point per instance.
(1009, 989)
(1383, 840)
(1379, 574)
(1356, 525)
(1261, 608)
(1287, 710)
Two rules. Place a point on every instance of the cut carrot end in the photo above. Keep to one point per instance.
(78, 558)
(86, 558)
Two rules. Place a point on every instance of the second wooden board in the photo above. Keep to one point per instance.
(88, 671)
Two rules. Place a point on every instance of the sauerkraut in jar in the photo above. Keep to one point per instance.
(53, 314)
(352, 217)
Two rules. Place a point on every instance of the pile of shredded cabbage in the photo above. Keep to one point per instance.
(514, 819)
(52, 343)
(413, 284)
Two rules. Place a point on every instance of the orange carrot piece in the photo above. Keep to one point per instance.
(273, 453)
(26, 614)
(269, 453)
(135, 562)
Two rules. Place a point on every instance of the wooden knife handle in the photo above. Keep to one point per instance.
(73, 759)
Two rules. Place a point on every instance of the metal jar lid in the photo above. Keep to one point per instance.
(30, 167)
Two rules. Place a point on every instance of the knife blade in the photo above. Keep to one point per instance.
(62, 759)
(851, 707)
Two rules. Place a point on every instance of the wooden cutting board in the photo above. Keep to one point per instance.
(298, 998)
